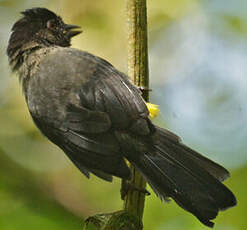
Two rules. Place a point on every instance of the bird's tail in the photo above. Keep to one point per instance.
(193, 181)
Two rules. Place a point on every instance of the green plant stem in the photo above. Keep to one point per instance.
(138, 73)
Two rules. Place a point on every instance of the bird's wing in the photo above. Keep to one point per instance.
(97, 100)
(114, 94)
(102, 105)
(102, 97)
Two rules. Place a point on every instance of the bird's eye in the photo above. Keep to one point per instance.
(52, 25)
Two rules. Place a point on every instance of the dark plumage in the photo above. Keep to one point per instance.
(97, 117)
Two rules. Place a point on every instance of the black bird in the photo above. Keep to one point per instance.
(98, 118)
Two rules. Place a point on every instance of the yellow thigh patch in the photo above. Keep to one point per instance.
(153, 110)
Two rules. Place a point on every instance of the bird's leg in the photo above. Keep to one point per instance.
(127, 186)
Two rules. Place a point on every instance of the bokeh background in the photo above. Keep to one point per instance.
(198, 74)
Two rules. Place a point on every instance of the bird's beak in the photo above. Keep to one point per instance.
(70, 32)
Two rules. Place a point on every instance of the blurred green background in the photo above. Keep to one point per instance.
(198, 73)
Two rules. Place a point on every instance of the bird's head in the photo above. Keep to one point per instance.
(42, 27)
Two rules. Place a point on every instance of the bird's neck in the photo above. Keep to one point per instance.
(25, 60)
(18, 55)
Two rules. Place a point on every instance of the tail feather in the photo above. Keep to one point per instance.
(179, 154)
(166, 137)
(174, 170)
(187, 193)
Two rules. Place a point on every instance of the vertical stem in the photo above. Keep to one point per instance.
(137, 44)
(138, 73)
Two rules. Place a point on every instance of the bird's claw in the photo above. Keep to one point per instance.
(144, 89)
(127, 186)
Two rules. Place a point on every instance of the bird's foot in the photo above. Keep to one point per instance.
(144, 89)
(127, 186)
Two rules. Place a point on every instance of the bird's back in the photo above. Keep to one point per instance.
(68, 75)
